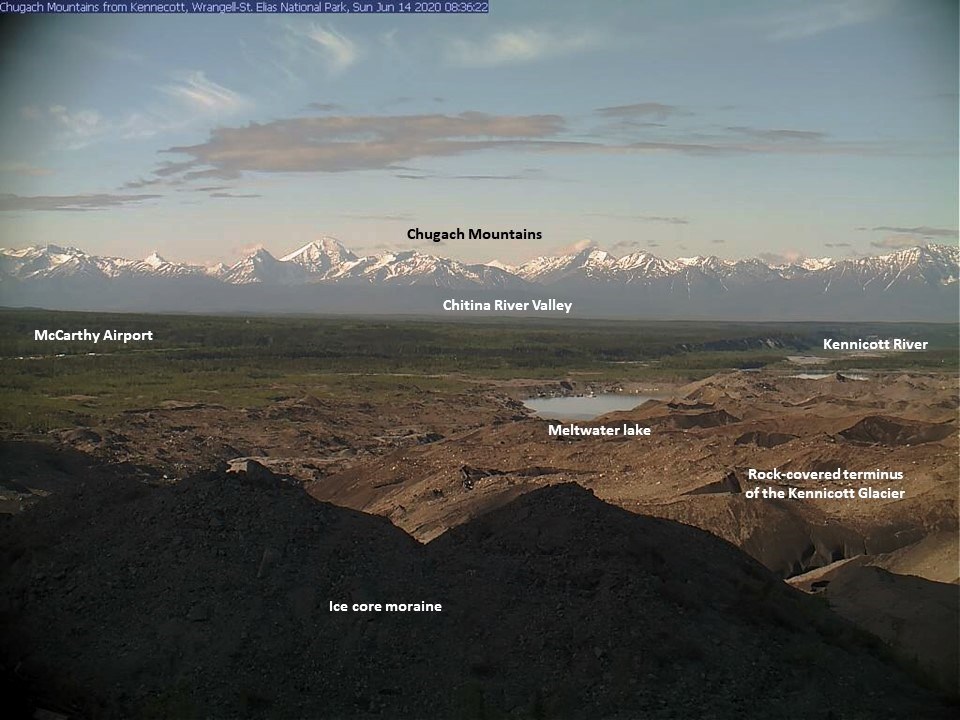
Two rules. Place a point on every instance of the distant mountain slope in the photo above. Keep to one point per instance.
(918, 283)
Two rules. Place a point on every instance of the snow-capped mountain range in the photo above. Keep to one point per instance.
(326, 260)
(913, 276)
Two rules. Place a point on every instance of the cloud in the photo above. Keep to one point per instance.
(627, 130)
(392, 247)
(510, 176)
(787, 258)
(17, 168)
(923, 230)
(79, 126)
(779, 135)
(384, 218)
(199, 92)
(895, 242)
(575, 248)
(718, 241)
(246, 250)
(386, 142)
(517, 46)
(837, 245)
(338, 144)
(814, 18)
(657, 111)
(141, 183)
(189, 98)
(233, 195)
(324, 107)
(645, 218)
(73, 203)
(339, 51)
(99, 48)
(526, 174)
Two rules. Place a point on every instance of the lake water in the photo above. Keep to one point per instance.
(824, 376)
(583, 408)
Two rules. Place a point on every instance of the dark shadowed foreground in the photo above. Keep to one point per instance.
(210, 598)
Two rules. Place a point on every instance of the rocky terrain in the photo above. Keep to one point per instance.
(601, 577)
(210, 597)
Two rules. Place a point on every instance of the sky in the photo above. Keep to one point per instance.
(737, 129)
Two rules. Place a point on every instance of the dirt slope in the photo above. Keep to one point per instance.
(210, 598)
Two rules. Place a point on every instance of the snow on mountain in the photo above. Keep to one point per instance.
(217, 271)
(320, 257)
(154, 260)
(415, 268)
(262, 267)
(646, 264)
(589, 264)
(326, 260)
(816, 263)
(151, 266)
(50, 261)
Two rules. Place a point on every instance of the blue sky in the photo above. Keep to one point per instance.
(826, 127)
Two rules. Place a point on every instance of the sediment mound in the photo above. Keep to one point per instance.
(916, 617)
(210, 598)
(730, 483)
(708, 419)
(882, 430)
(764, 439)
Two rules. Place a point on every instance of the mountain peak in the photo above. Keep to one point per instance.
(321, 256)
(154, 259)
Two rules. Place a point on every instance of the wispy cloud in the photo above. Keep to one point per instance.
(574, 248)
(655, 110)
(24, 169)
(807, 19)
(387, 142)
(72, 203)
(337, 144)
(779, 135)
(381, 218)
(141, 183)
(188, 99)
(324, 107)
(234, 195)
(517, 46)
(339, 51)
(637, 128)
(101, 49)
(786, 258)
(645, 218)
(921, 230)
(196, 90)
(79, 126)
(895, 242)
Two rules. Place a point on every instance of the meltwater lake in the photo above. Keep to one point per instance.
(583, 407)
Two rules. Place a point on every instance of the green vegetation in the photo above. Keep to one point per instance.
(248, 361)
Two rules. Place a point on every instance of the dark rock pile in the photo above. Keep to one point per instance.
(212, 598)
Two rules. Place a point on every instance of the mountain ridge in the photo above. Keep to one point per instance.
(327, 259)
(918, 283)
